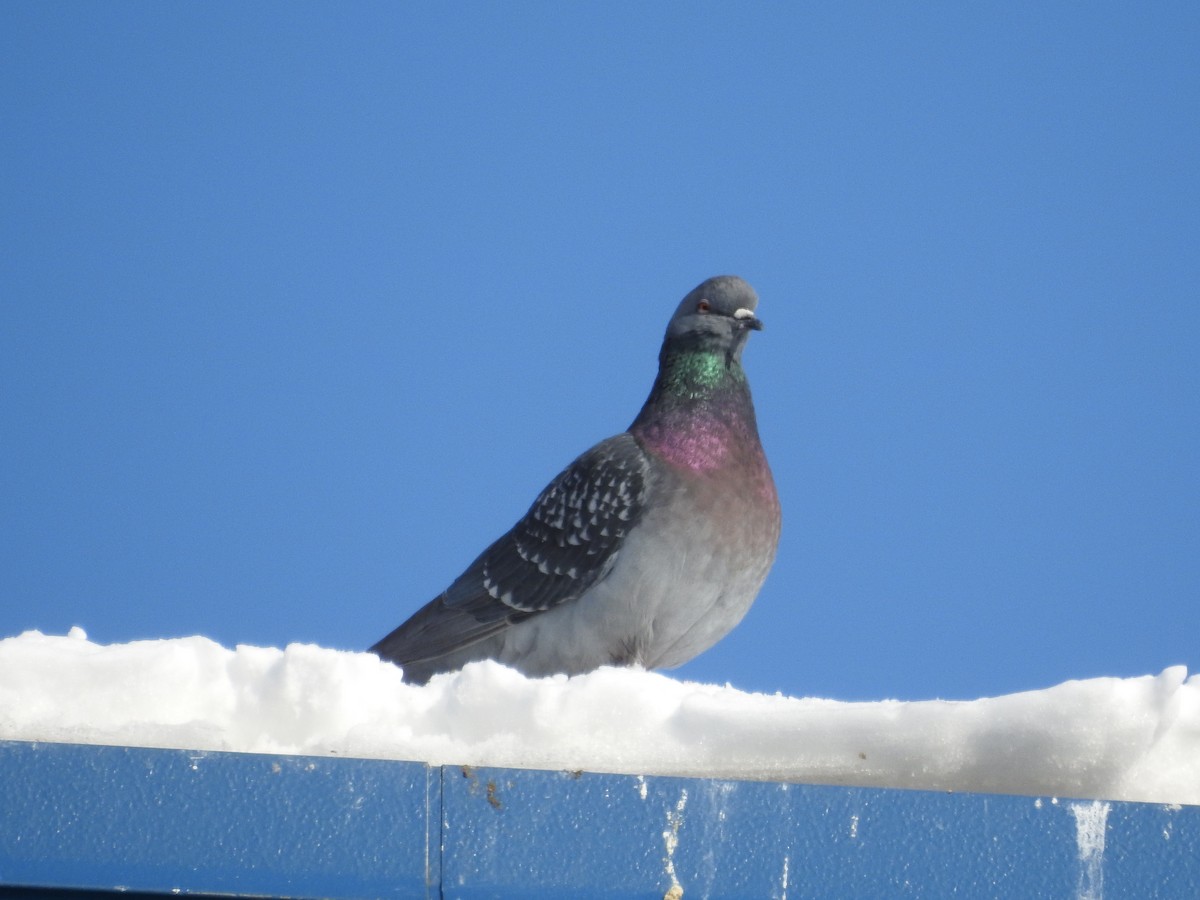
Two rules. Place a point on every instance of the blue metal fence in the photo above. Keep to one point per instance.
(164, 822)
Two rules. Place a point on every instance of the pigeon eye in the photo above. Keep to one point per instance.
(703, 306)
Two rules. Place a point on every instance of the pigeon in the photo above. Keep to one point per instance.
(648, 548)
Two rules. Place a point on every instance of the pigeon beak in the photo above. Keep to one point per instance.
(748, 319)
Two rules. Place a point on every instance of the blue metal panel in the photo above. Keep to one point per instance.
(165, 821)
(170, 820)
(535, 834)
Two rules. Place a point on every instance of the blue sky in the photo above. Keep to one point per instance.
(303, 304)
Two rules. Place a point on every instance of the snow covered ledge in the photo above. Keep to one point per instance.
(325, 815)
(1132, 739)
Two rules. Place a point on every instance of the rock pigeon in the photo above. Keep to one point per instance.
(648, 548)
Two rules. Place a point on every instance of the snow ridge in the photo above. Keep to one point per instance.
(1102, 738)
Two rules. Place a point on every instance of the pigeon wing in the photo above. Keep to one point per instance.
(567, 542)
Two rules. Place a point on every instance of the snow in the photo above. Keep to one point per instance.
(1101, 738)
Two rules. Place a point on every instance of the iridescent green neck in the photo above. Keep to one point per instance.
(695, 375)
(699, 414)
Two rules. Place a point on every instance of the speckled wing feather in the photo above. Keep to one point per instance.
(567, 542)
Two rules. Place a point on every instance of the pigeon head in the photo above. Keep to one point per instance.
(718, 316)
